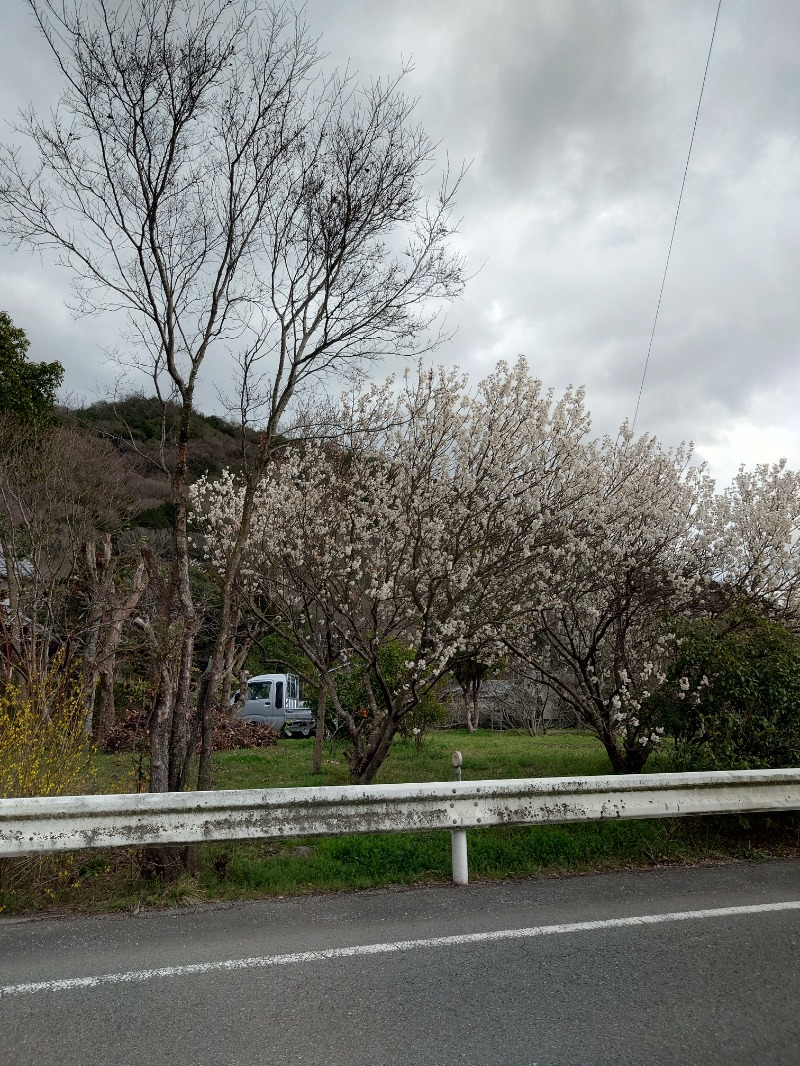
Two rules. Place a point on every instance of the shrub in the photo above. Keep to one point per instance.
(429, 713)
(742, 709)
(44, 750)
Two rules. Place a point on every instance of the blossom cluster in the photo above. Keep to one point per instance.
(486, 523)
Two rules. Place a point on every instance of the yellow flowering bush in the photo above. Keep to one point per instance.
(43, 748)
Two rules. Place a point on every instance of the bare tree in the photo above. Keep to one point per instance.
(200, 174)
(517, 701)
(470, 675)
(62, 496)
(114, 583)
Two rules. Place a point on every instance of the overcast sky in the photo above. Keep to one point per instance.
(576, 116)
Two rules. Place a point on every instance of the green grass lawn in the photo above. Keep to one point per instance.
(486, 755)
(113, 880)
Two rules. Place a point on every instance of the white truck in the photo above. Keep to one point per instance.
(274, 699)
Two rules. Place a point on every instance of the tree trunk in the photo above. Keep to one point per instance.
(104, 712)
(364, 769)
(234, 662)
(473, 715)
(468, 711)
(169, 739)
(470, 690)
(160, 731)
(103, 666)
(635, 758)
(167, 863)
(624, 760)
(90, 674)
(319, 733)
(226, 622)
(15, 652)
(96, 581)
(180, 745)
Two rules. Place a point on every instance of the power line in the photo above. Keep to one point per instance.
(675, 223)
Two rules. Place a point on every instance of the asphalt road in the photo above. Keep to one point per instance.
(534, 973)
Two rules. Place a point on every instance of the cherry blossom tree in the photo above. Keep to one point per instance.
(420, 525)
(754, 541)
(602, 642)
(485, 525)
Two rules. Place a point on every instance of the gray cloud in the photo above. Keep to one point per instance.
(576, 117)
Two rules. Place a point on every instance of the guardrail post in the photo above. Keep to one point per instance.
(458, 838)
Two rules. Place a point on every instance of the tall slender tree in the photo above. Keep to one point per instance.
(201, 174)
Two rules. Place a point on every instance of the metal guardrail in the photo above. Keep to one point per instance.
(52, 824)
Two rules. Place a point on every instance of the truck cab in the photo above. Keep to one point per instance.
(274, 699)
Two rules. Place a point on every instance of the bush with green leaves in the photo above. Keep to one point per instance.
(27, 390)
(355, 697)
(741, 708)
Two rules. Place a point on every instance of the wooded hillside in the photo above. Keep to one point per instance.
(144, 433)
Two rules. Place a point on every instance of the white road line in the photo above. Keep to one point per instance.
(262, 962)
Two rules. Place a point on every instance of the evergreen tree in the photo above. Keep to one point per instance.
(27, 390)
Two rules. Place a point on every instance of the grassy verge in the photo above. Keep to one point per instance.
(107, 881)
(486, 755)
